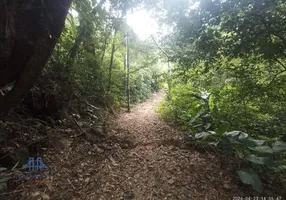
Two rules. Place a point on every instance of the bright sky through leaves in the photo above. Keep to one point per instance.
(142, 23)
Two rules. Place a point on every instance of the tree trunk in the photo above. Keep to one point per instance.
(75, 47)
(81, 36)
(111, 62)
(104, 49)
(169, 79)
(29, 31)
(125, 67)
(128, 74)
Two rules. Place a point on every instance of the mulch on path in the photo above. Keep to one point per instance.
(140, 158)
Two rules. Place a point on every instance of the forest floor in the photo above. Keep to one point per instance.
(141, 158)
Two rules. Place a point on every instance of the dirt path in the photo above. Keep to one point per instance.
(142, 158)
(156, 163)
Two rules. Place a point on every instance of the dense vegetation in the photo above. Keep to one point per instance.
(93, 51)
(98, 54)
(226, 77)
(230, 75)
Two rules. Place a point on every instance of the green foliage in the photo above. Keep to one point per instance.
(234, 51)
(84, 53)
(185, 107)
(248, 176)
(261, 151)
(258, 155)
(228, 72)
(4, 178)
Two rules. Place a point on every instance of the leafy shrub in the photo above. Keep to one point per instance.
(257, 156)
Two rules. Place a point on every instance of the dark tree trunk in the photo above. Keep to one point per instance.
(128, 73)
(111, 62)
(104, 48)
(29, 31)
(81, 36)
(76, 45)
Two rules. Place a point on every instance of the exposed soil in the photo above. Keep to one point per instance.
(140, 158)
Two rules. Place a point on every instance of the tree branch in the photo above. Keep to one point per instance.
(145, 66)
(161, 49)
(284, 66)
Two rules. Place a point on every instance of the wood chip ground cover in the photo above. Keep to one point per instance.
(140, 158)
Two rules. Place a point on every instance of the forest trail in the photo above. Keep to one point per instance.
(141, 158)
(157, 164)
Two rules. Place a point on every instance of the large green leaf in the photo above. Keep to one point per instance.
(279, 146)
(2, 169)
(281, 168)
(195, 118)
(232, 134)
(262, 149)
(235, 136)
(3, 186)
(3, 182)
(4, 178)
(260, 160)
(242, 136)
(222, 128)
(232, 140)
(202, 135)
(254, 142)
(250, 177)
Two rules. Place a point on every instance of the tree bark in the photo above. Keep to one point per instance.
(128, 73)
(80, 37)
(29, 31)
(111, 62)
(104, 48)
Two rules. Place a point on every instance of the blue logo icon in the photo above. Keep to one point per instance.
(36, 169)
(39, 164)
